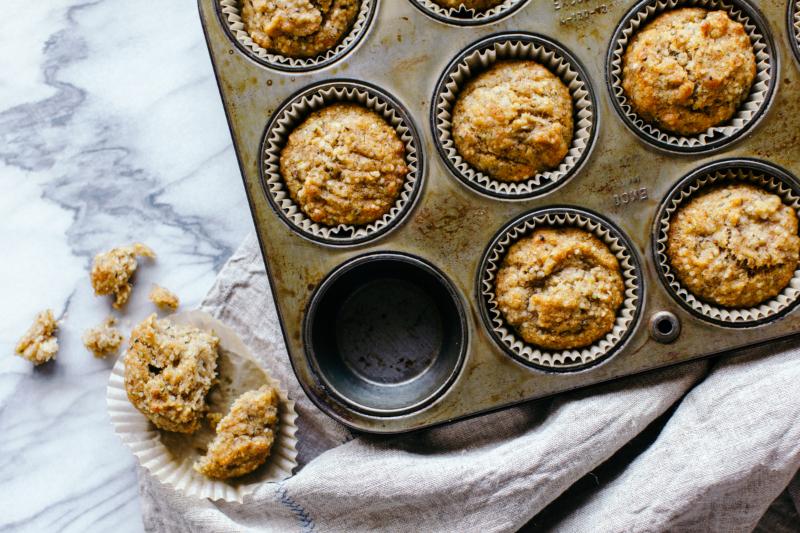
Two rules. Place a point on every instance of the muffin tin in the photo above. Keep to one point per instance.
(394, 330)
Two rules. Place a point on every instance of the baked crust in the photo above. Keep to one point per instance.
(513, 121)
(344, 165)
(169, 369)
(560, 288)
(688, 70)
(112, 271)
(734, 246)
(244, 436)
(298, 28)
(39, 344)
(103, 339)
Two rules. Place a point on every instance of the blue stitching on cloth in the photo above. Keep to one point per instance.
(306, 522)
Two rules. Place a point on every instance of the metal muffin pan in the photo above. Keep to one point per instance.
(436, 358)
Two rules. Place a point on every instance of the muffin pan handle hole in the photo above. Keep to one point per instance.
(664, 327)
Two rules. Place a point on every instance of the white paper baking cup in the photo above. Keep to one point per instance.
(292, 113)
(230, 14)
(794, 27)
(560, 360)
(462, 16)
(766, 176)
(169, 456)
(477, 58)
(750, 112)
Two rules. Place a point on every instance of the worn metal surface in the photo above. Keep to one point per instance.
(624, 180)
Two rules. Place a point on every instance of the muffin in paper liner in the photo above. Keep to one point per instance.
(169, 456)
(463, 16)
(292, 113)
(476, 59)
(230, 14)
(572, 359)
(765, 176)
(794, 27)
(750, 112)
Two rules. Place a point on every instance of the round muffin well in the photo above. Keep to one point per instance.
(735, 245)
(344, 165)
(513, 121)
(477, 5)
(689, 70)
(560, 288)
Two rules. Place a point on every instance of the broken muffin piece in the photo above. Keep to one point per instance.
(39, 344)
(164, 298)
(112, 271)
(169, 369)
(244, 436)
(103, 339)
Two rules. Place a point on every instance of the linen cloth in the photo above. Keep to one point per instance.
(729, 447)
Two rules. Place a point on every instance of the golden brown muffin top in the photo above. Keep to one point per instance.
(298, 28)
(344, 165)
(689, 70)
(734, 246)
(560, 288)
(513, 121)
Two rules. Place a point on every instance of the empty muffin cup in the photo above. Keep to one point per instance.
(627, 315)
(750, 111)
(478, 58)
(230, 14)
(465, 16)
(386, 333)
(729, 171)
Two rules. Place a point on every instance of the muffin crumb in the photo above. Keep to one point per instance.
(112, 271)
(164, 298)
(169, 369)
(104, 339)
(244, 436)
(39, 344)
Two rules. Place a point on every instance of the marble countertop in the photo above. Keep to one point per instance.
(111, 131)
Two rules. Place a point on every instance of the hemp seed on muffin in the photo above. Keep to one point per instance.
(344, 165)
(689, 70)
(734, 246)
(513, 121)
(169, 369)
(298, 28)
(477, 5)
(560, 288)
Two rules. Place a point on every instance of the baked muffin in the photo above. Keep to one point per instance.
(169, 369)
(298, 28)
(244, 436)
(477, 5)
(344, 165)
(560, 288)
(688, 70)
(734, 246)
(513, 121)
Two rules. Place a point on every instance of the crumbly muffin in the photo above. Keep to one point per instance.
(560, 288)
(689, 70)
(344, 165)
(104, 339)
(513, 121)
(244, 436)
(39, 344)
(112, 271)
(477, 5)
(298, 28)
(164, 298)
(734, 246)
(169, 369)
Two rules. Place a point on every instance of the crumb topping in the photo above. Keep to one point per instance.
(163, 298)
(39, 344)
(103, 339)
(112, 271)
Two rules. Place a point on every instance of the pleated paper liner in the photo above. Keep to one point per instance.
(169, 457)
(794, 27)
(463, 16)
(560, 360)
(230, 14)
(479, 57)
(750, 111)
(292, 113)
(765, 176)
